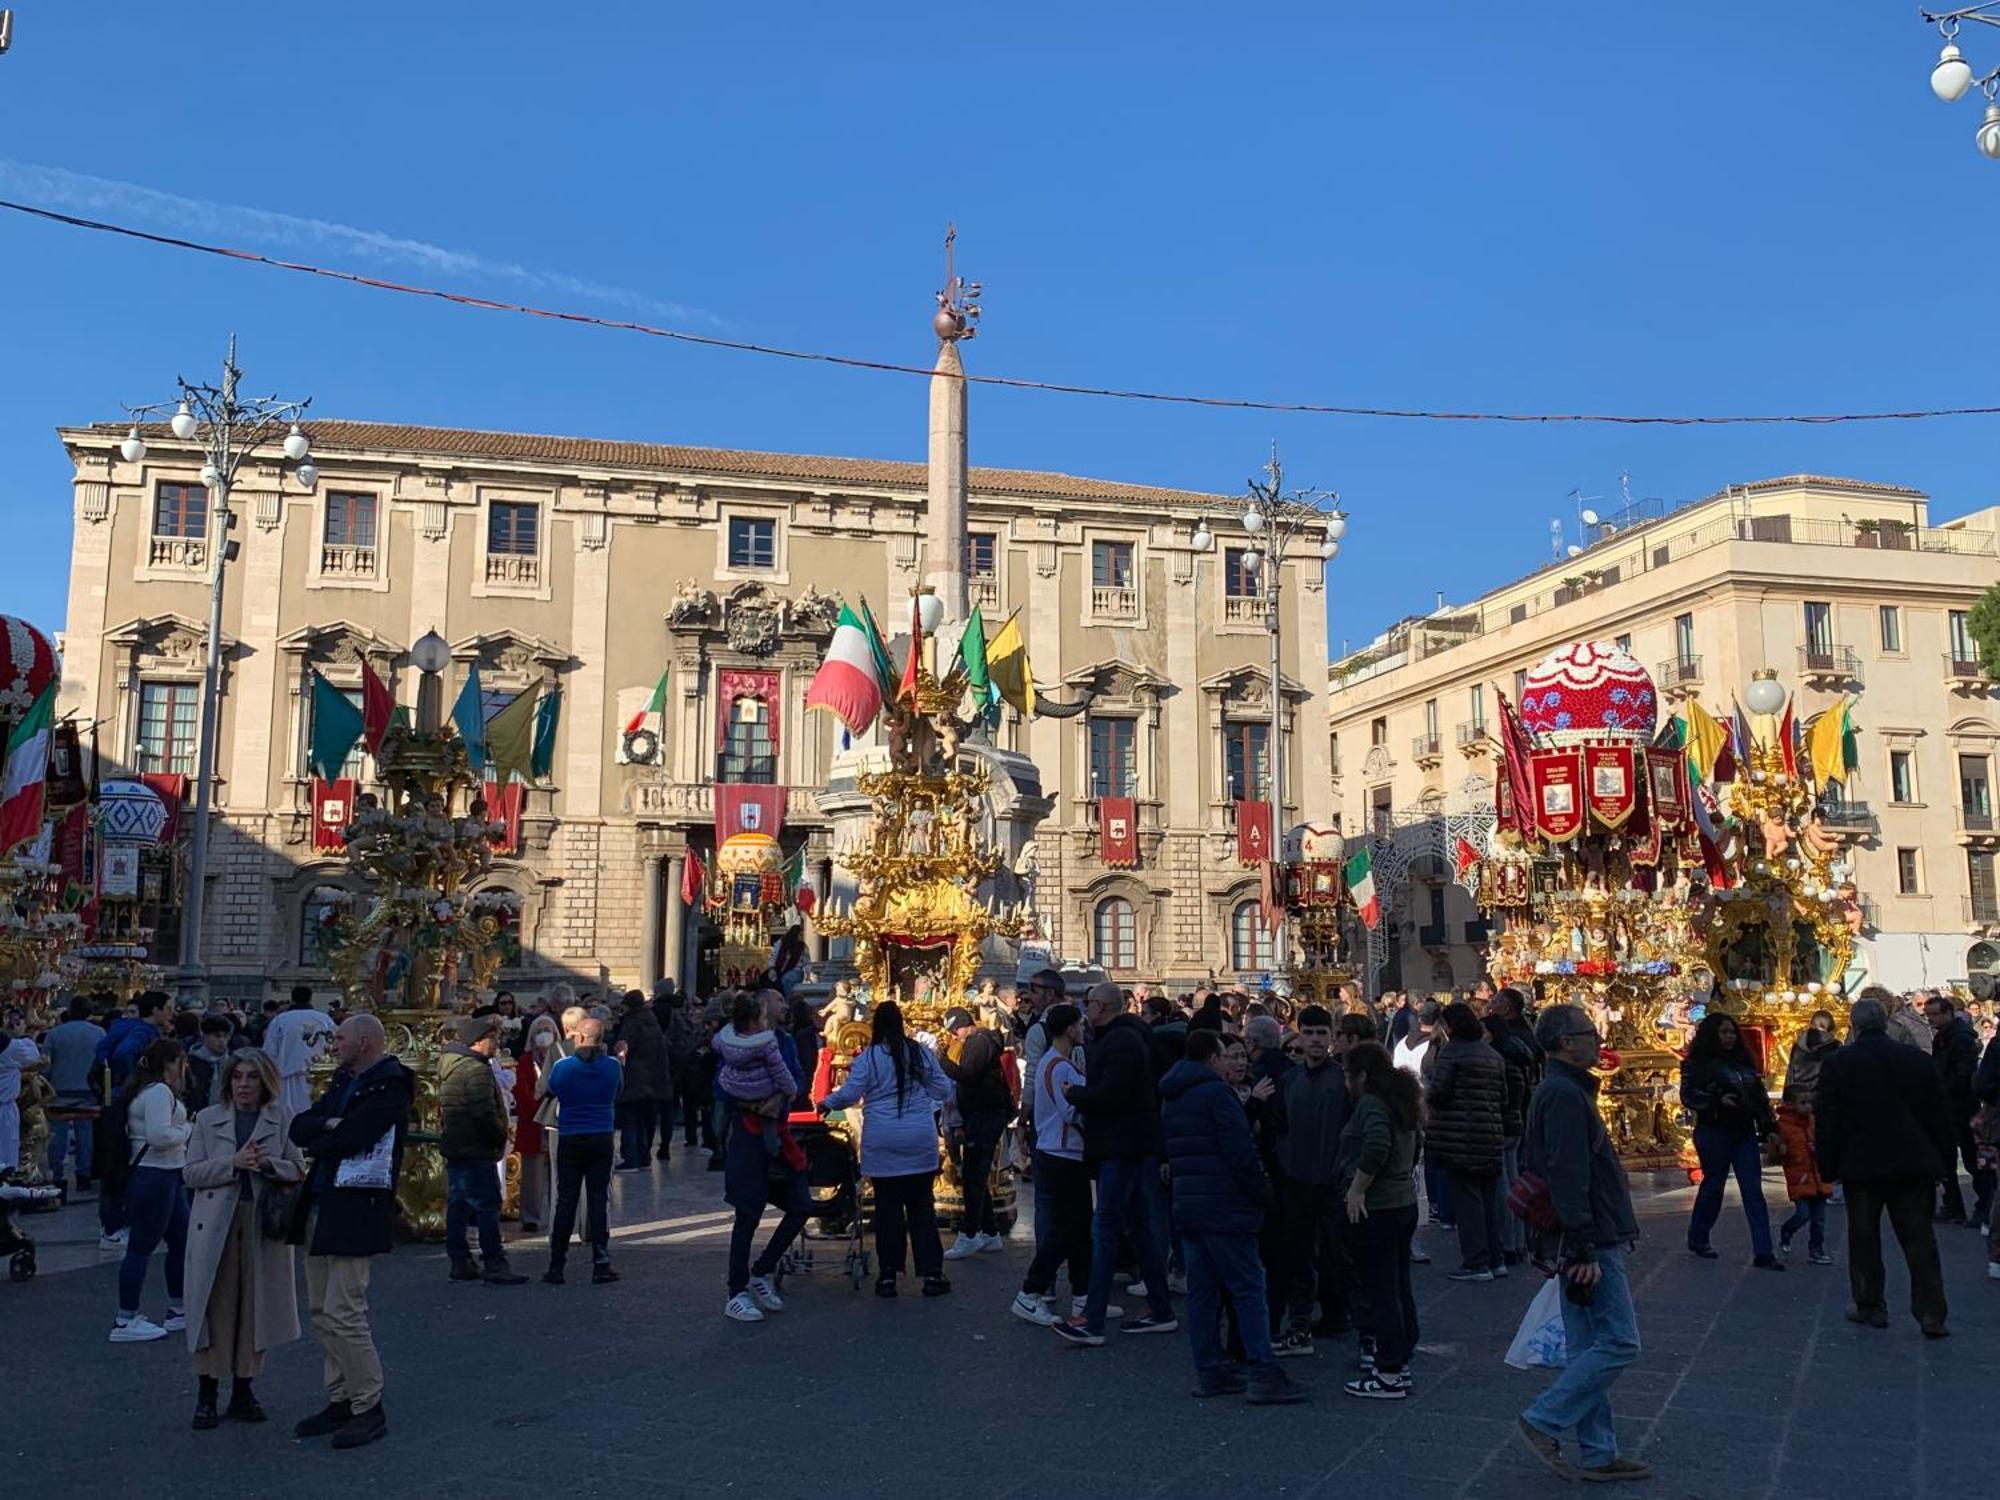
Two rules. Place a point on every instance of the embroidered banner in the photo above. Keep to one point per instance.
(1118, 832)
(1253, 832)
(333, 810)
(171, 786)
(736, 684)
(1610, 787)
(748, 809)
(1557, 779)
(503, 806)
(1666, 789)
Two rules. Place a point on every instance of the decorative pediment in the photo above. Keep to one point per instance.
(339, 643)
(1121, 681)
(751, 618)
(1249, 686)
(510, 653)
(166, 638)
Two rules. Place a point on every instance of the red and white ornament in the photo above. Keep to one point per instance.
(1589, 692)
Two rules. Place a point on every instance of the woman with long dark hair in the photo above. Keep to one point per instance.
(1377, 1160)
(1721, 1086)
(156, 1200)
(899, 1086)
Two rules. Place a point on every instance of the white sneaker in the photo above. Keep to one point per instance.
(1112, 1310)
(176, 1323)
(742, 1309)
(1032, 1309)
(1177, 1284)
(990, 1243)
(1136, 1288)
(1993, 1270)
(139, 1330)
(964, 1247)
(113, 1241)
(766, 1293)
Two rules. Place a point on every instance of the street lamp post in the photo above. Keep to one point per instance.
(1276, 523)
(227, 428)
(1952, 76)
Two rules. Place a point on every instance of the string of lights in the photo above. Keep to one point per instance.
(1008, 382)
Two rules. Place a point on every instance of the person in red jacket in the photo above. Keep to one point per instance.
(528, 1135)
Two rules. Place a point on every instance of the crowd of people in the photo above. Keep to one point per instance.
(1271, 1173)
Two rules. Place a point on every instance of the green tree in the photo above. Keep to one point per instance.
(1983, 625)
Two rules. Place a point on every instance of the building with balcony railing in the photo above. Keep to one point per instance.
(1846, 588)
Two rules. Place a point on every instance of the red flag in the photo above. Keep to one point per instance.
(907, 690)
(1253, 832)
(503, 806)
(378, 705)
(693, 877)
(1272, 895)
(1118, 832)
(741, 808)
(1515, 797)
(1464, 858)
(171, 788)
(1788, 741)
(333, 810)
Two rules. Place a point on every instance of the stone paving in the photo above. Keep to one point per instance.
(1750, 1385)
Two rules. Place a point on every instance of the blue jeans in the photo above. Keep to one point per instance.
(1807, 1211)
(156, 1208)
(61, 1132)
(1126, 1188)
(1513, 1233)
(472, 1195)
(1603, 1338)
(1723, 1150)
(1218, 1263)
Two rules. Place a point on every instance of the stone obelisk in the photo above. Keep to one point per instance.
(944, 514)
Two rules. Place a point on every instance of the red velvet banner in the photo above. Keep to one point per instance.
(1557, 778)
(333, 810)
(748, 809)
(1118, 832)
(172, 789)
(1253, 832)
(1610, 785)
(736, 684)
(503, 806)
(1666, 789)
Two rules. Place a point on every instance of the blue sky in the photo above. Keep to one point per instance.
(1695, 207)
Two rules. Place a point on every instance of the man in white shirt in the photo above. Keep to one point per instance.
(18, 1055)
(295, 1039)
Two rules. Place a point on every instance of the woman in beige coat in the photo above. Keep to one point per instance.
(242, 1299)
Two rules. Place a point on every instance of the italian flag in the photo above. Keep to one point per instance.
(657, 704)
(1361, 885)
(24, 781)
(849, 683)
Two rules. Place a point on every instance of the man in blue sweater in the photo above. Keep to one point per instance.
(585, 1087)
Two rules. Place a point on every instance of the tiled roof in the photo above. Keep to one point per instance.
(1823, 482)
(336, 436)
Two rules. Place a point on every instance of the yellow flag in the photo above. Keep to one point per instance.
(1007, 665)
(1824, 747)
(510, 739)
(1705, 738)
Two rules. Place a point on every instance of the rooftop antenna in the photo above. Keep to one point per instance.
(1586, 518)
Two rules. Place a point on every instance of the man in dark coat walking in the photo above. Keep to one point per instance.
(472, 1139)
(1221, 1196)
(641, 1046)
(1882, 1134)
(1955, 1053)
(346, 1215)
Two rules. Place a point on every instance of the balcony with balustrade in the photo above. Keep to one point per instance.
(1474, 740)
(1978, 828)
(1108, 602)
(1678, 677)
(347, 563)
(1965, 674)
(985, 590)
(1427, 750)
(1848, 821)
(1981, 912)
(1825, 665)
(1242, 609)
(514, 569)
(188, 553)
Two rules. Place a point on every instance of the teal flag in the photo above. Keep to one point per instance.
(978, 681)
(336, 725)
(541, 760)
(469, 714)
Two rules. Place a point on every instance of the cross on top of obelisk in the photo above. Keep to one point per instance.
(957, 316)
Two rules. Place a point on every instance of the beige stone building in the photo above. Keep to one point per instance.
(1843, 587)
(596, 565)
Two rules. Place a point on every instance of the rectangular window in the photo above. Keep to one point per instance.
(169, 716)
(1378, 731)
(513, 528)
(1975, 789)
(1902, 776)
(1247, 754)
(1979, 876)
(1891, 619)
(1909, 877)
(1333, 749)
(1476, 702)
(1239, 578)
(1111, 565)
(1959, 636)
(753, 542)
(1623, 643)
(1517, 613)
(1819, 628)
(981, 554)
(1684, 638)
(180, 512)
(1431, 722)
(747, 756)
(1381, 820)
(1114, 757)
(1520, 684)
(350, 520)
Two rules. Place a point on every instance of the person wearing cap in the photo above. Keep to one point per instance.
(472, 1138)
(972, 1059)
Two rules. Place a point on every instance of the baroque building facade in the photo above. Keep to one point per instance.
(596, 566)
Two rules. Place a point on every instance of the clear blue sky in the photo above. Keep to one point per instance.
(1687, 207)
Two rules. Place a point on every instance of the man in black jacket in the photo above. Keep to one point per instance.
(1955, 1052)
(354, 1135)
(1311, 1106)
(972, 1059)
(1879, 1119)
(472, 1139)
(1122, 1144)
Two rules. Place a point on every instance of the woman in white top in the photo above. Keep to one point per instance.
(156, 1200)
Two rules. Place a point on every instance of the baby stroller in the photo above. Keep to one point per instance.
(16, 1243)
(833, 1182)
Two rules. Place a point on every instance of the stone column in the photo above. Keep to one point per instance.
(822, 887)
(649, 925)
(944, 514)
(676, 921)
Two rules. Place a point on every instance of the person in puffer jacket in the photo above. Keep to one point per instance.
(1466, 1136)
(1220, 1198)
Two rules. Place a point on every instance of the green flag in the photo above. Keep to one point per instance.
(336, 725)
(510, 739)
(972, 651)
(547, 713)
(885, 671)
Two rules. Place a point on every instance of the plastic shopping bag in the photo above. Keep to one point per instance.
(1539, 1343)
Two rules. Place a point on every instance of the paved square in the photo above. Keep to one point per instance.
(1750, 1385)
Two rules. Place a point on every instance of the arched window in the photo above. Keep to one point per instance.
(746, 753)
(1117, 934)
(1250, 948)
